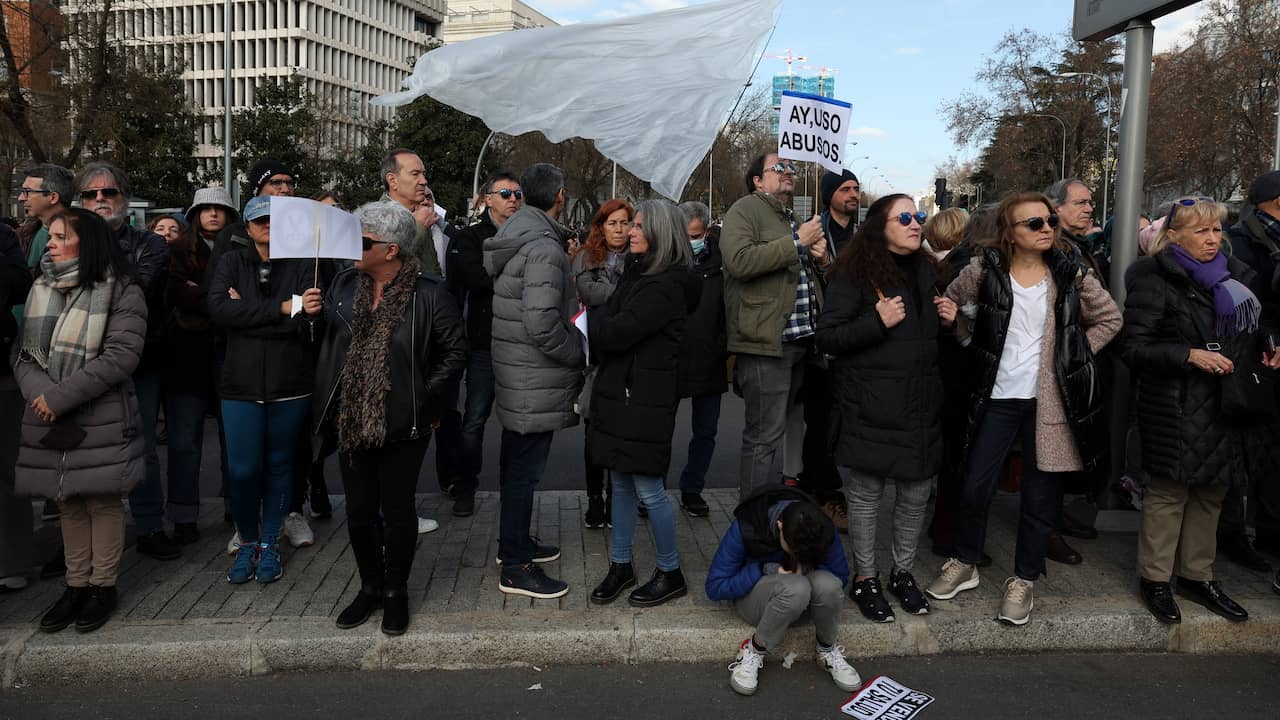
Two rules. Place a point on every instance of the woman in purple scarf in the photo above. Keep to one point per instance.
(1192, 338)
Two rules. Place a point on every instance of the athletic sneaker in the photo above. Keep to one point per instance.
(903, 586)
(842, 673)
(1018, 601)
(242, 569)
(530, 581)
(954, 578)
(298, 531)
(270, 567)
(541, 553)
(746, 669)
(870, 599)
(426, 525)
(233, 545)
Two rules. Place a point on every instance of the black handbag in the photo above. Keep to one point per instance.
(1249, 392)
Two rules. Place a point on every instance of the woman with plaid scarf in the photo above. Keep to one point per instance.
(82, 336)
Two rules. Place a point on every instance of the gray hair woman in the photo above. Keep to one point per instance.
(393, 341)
(635, 339)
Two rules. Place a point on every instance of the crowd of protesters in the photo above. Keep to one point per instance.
(942, 357)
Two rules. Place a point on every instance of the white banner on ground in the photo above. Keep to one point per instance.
(885, 699)
(302, 228)
(813, 129)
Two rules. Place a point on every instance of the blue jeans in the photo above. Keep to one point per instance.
(521, 463)
(480, 396)
(146, 500)
(1041, 493)
(184, 416)
(652, 491)
(706, 418)
(261, 439)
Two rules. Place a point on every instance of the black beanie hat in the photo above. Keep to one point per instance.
(831, 182)
(1265, 187)
(263, 170)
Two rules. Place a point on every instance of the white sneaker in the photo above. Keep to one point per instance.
(12, 583)
(233, 546)
(1019, 599)
(426, 525)
(299, 532)
(746, 669)
(845, 677)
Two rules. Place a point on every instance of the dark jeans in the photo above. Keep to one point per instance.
(480, 396)
(261, 441)
(380, 483)
(146, 500)
(451, 458)
(1004, 421)
(521, 462)
(306, 472)
(184, 417)
(15, 512)
(706, 418)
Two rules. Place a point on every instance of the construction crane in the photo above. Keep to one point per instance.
(789, 58)
(824, 72)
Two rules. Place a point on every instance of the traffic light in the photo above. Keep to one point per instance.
(940, 196)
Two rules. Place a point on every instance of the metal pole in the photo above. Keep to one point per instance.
(1133, 132)
(475, 178)
(1106, 147)
(1275, 154)
(227, 98)
(711, 176)
(615, 180)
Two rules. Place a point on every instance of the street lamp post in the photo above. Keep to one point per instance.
(1106, 145)
(1063, 175)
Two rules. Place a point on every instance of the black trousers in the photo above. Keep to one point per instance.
(382, 515)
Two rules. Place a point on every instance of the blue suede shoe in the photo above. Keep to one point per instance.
(269, 566)
(242, 569)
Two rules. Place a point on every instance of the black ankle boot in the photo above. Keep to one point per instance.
(395, 611)
(65, 611)
(621, 576)
(665, 585)
(358, 612)
(97, 608)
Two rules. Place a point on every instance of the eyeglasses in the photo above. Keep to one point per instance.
(781, 168)
(506, 194)
(24, 192)
(1185, 202)
(108, 193)
(278, 183)
(906, 218)
(369, 242)
(1036, 223)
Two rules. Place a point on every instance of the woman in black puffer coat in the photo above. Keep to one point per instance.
(1191, 331)
(881, 322)
(635, 339)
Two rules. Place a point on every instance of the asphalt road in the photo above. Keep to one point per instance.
(565, 468)
(1078, 687)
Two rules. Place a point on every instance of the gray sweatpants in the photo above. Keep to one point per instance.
(780, 600)
(909, 502)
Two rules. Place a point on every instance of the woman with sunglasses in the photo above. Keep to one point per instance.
(597, 268)
(393, 343)
(266, 383)
(881, 323)
(1191, 331)
(1035, 320)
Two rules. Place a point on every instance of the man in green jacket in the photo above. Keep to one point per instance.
(774, 270)
(46, 191)
(405, 179)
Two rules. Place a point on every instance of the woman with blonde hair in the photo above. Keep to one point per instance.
(944, 231)
(1202, 376)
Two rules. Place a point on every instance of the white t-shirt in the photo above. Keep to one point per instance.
(1019, 370)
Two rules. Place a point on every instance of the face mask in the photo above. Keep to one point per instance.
(698, 245)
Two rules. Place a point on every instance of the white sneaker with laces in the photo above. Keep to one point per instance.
(746, 669)
(426, 525)
(299, 532)
(1019, 599)
(233, 546)
(842, 673)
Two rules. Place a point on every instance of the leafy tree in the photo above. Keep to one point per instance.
(448, 141)
(355, 175)
(281, 124)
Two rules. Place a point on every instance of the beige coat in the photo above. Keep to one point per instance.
(1055, 446)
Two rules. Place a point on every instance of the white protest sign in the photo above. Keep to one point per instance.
(883, 698)
(813, 129)
(302, 228)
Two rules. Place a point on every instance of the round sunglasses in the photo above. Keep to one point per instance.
(1036, 223)
(906, 218)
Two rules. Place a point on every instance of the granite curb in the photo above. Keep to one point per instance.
(189, 649)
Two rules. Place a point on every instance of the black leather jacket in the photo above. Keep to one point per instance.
(428, 352)
(1075, 367)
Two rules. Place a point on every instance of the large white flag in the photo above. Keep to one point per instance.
(652, 90)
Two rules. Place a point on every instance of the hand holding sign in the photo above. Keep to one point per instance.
(810, 232)
(302, 228)
(813, 129)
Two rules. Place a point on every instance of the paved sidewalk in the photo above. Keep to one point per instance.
(181, 619)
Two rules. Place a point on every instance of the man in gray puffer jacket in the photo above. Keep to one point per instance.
(537, 364)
